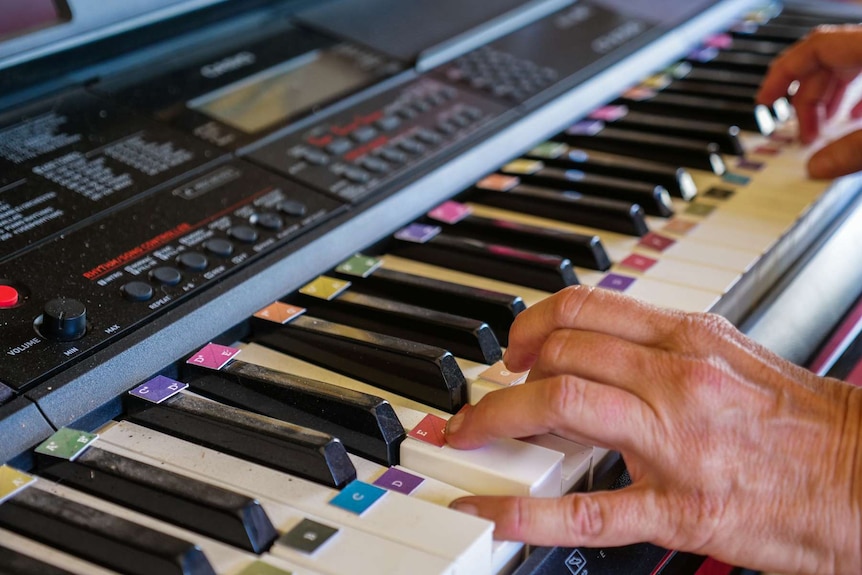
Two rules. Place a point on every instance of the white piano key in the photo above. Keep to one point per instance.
(507, 467)
(49, 555)
(222, 557)
(397, 520)
(439, 493)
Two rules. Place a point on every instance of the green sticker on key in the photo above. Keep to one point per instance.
(66, 443)
(359, 266)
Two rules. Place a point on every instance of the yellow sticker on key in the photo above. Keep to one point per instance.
(523, 167)
(12, 481)
(325, 287)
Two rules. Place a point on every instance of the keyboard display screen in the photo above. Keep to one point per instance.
(263, 100)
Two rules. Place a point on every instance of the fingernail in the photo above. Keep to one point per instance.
(467, 508)
(454, 423)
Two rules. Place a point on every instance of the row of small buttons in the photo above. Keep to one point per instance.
(198, 262)
(501, 74)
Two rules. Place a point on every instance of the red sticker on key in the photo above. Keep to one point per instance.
(430, 430)
(638, 262)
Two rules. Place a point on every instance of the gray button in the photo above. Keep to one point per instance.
(193, 261)
(137, 291)
(339, 146)
(166, 275)
(243, 234)
(293, 208)
(375, 165)
(267, 220)
(219, 247)
(356, 175)
(364, 134)
(411, 146)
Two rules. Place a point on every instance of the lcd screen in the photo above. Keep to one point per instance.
(270, 97)
(17, 17)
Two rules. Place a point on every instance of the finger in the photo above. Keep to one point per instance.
(589, 309)
(841, 157)
(568, 406)
(604, 518)
(837, 93)
(810, 103)
(600, 358)
(828, 47)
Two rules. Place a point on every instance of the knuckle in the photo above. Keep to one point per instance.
(565, 398)
(569, 301)
(555, 348)
(585, 519)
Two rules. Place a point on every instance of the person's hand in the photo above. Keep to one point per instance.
(733, 451)
(824, 63)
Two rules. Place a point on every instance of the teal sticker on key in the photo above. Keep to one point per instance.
(67, 443)
(738, 179)
(360, 266)
(357, 497)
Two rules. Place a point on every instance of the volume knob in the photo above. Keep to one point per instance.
(64, 319)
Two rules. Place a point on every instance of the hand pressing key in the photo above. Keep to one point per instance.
(824, 63)
(733, 452)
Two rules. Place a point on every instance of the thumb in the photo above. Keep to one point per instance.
(600, 519)
(838, 158)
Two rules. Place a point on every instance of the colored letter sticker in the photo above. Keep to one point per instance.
(399, 480)
(66, 443)
(430, 430)
(213, 356)
(358, 497)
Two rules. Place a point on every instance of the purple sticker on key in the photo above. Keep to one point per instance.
(586, 128)
(707, 54)
(158, 389)
(745, 164)
(609, 113)
(397, 480)
(418, 233)
(213, 356)
(616, 282)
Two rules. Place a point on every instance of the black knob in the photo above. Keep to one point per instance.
(64, 319)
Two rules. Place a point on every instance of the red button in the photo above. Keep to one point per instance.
(8, 296)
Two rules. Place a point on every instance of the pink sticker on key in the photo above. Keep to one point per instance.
(498, 374)
(639, 94)
(720, 41)
(214, 356)
(679, 227)
(767, 150)
(656, 242)
(638, 262)
(450, 212)
(430, 430)
(610, 113)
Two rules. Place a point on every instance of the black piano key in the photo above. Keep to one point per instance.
(677, 181)
(752, 46)
(283, 446)
(100, 537)
(571, 207)
(546, 272)
(666, 149)
(465, 337)
(770, 32)
(744, 94)
(421, 372)
(735, 61)
(16, 563)
(212, 511)
(496, 309)
(727, 137)
(754, 117)
(365, 424)
(654, 199)
(696, 73)
(582, 250)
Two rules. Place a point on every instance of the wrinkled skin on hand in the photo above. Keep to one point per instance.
(733, 452)
(824, 63)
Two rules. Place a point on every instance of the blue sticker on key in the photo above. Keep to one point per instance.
(357, 497)
(706, 54)
(158, 389)
(418, 233)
